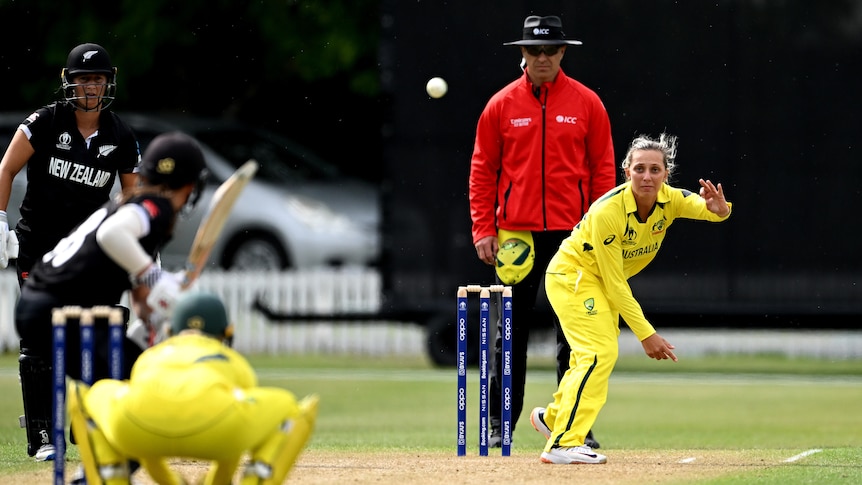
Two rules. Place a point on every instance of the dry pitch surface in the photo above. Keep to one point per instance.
(623, 467)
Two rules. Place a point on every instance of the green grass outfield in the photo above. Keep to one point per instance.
(801, 418)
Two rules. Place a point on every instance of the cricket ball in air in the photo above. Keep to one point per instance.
(436, 87)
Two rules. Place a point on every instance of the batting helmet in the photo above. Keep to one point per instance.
(88, 59)
(173, 159)
(201, 311)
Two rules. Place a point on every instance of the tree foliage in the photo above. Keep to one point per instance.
(293, 65)
(223, 50)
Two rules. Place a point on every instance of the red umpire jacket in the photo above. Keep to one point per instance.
(540, 157)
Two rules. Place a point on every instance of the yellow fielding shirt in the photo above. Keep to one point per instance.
(184, 384)
(611, 243)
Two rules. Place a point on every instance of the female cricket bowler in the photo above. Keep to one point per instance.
(111, 251)
(190, 396)
(587, 285)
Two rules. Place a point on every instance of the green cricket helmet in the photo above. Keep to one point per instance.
(201, 311)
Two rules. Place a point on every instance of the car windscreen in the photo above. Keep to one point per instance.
(279, 159)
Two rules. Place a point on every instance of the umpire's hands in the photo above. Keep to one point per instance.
(8, 242)
(486, 249)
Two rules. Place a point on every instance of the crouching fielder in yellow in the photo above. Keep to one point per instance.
(587, 285)
(190, 396)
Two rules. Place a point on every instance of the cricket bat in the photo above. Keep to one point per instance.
(214, 220)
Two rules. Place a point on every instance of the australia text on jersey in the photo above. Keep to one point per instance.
(640, 251)
(76, 172)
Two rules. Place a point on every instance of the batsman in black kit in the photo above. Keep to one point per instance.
(114, 250)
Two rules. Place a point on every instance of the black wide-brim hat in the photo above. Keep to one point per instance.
(543, 31)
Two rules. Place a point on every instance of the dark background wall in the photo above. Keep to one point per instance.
(763, 94)
(764, 97)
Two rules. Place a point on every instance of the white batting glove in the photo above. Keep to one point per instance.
(4, 237)
(165, 287)
(8, 242)
(163, 295)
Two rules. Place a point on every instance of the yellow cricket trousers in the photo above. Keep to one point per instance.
(591, 327)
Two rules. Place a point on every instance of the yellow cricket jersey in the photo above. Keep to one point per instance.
(175, 374)
(611, 243)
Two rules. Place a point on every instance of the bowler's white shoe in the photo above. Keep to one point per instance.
(572, 456)
(537, 419)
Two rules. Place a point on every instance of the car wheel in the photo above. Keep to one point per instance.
(442, 341)
(259, 252)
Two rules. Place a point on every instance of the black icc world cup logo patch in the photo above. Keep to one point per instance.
(590, 305)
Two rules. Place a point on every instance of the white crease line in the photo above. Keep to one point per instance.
(688, 460)
(802, 455)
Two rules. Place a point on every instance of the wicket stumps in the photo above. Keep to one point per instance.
(484, 350)
(86, 320)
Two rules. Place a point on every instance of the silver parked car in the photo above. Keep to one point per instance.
(298, 211)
